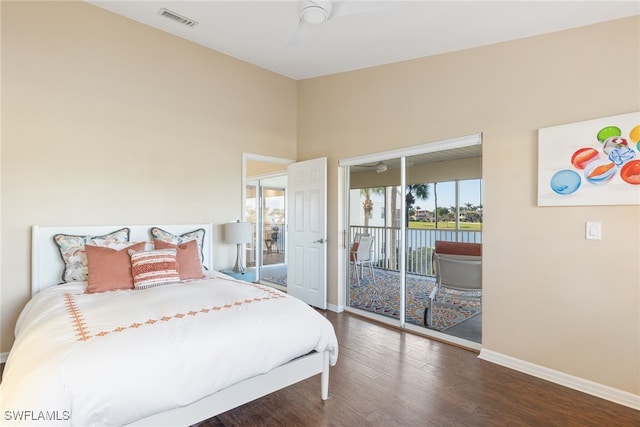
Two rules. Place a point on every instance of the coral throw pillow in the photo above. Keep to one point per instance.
(353, 253)
(188, 257)
(109, 269)
(458, 248)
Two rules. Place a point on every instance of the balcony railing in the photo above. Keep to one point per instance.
(420, 244)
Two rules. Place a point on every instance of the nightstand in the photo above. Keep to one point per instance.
(248, 276)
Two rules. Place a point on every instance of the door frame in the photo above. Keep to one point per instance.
(265, 159)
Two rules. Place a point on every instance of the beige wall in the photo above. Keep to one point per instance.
(106, 121)
(550, 297)
(257, 168)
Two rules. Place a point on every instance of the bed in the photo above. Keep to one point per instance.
(173, 353)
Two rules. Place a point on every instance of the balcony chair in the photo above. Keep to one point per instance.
(362, 253)
(458, 266)
(354, 245)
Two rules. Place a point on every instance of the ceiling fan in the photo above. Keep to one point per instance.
(386, 165)
(378, 167)
(316, 12)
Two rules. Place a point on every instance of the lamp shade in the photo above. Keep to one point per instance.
(237, 232)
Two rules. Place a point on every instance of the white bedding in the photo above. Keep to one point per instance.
(115, 357)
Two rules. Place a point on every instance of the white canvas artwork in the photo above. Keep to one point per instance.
(595, 162)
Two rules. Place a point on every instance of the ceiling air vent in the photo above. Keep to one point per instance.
(178, 18)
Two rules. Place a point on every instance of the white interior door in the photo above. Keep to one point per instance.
(307, 254)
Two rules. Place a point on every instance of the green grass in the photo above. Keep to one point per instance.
(445, 225)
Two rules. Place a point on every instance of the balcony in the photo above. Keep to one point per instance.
(457, 318)
(420, 244)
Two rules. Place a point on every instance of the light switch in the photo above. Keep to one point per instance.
(593, 231)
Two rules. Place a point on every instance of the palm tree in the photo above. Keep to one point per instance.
(435, 198)
(367, 204)
(441, 213)
(421, 191)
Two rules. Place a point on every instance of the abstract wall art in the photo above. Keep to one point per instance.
(595, 162)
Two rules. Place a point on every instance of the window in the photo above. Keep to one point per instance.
(452, 204)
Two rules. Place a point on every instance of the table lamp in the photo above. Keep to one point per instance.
(238, 233)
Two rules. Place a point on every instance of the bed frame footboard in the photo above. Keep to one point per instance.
(253, 388)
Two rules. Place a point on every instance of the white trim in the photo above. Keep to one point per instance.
(335, 308)
(268, 159)
(3, 357)
(447, 144)
(595, 389)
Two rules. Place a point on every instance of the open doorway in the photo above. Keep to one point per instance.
(265, 207)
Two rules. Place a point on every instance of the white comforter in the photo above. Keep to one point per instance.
(113, 358)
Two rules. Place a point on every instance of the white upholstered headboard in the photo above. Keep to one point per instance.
(46, 262)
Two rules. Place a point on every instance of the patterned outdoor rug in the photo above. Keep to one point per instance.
(384, 298)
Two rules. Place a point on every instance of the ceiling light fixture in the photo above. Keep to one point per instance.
(315, 13)
(381, 168)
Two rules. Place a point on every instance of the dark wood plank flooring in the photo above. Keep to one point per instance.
(387, 377)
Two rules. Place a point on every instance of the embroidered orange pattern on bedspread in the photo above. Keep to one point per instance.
(76, 317)
(82, 330)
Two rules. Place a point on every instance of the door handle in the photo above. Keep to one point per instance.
(321, 240)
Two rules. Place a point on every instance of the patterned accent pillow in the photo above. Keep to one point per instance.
(73, 255)
(154, 268)
(165, 236)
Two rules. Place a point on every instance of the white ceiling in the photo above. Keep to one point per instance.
(361, 34)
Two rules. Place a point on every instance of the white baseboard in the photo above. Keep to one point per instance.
(335, 308)
(595, 389)
(3, 357)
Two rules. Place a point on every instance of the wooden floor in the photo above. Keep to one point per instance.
(385, 377)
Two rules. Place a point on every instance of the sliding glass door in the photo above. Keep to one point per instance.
(405, 203)
(374, 219)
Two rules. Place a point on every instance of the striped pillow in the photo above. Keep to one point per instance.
(154, 268)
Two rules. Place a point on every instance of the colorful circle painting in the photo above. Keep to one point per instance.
(608, 132)
(582, 157)
(621, 155)
(595, 162)
(614, 142)
(565, 182)
(634, 135)
(600, 173)
(630, 172)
